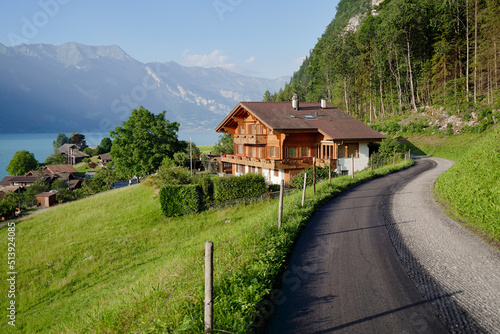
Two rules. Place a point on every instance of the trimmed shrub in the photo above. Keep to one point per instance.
(233, 187)
(179, 200)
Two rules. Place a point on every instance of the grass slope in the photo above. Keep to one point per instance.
(472, 185)
(112, 263)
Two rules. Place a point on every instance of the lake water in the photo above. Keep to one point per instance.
(40, 144)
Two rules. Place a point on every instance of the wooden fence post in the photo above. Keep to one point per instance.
(209, 276)
(371, 158)
(280, 213)
(394, 164)
(314, 176)
(330, 171)
(304, 190)
(352, 162)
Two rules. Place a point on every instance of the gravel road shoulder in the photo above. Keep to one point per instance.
(443, 259)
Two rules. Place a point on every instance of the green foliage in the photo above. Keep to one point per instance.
(179, 200)
(105, 145)
(21, 163)
(321, 174)
(233, 187)
(224, 145)
(60, 141)
(142, 142)
(89, 151)
(55, 158)
(411, 53)
(78, 138)
(388, 146)
(205, 183)
(472, 185)
(7, 208)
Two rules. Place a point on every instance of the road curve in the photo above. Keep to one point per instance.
(351, 271)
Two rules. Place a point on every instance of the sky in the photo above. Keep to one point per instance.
(267, 39)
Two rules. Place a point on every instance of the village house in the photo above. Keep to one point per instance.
(280, 139)
(73, 153)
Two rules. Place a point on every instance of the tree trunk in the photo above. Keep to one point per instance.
(475, 53)
(412, 88)
(346, 95)
(468, 51)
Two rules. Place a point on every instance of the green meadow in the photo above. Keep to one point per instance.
(112, 263)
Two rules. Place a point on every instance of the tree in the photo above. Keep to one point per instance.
(224, 145)
(21, 163)
(55, 158)
(142, 142)
(388, 146)
(78, 138)
(60, 141)
(105, 145)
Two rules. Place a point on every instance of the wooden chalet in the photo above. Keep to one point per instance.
(280, 139)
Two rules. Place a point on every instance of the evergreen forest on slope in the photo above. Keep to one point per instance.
(376, 61)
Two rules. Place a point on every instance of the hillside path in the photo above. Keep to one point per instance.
(380, 259)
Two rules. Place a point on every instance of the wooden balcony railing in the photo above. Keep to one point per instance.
(277, 163)
(250, 139)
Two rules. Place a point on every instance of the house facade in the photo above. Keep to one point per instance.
(280, 139)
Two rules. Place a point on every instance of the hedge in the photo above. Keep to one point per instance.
(179, 200)
(233, 187)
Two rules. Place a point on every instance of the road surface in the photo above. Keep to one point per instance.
(359, 266)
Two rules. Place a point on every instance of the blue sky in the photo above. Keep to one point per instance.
(254, 37)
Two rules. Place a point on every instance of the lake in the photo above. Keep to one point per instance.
(40, 144)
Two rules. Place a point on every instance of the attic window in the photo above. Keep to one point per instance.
(293, 116)
(309, 116)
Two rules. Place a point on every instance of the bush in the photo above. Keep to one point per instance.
(388, 146)
(179, 200)
(206, 185)
(233, 187)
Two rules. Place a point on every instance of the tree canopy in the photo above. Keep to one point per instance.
(225, 144)
(404, 54)
(60, 141)
(21, 163)
(142, 142)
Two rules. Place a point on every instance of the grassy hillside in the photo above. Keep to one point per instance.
(112, 264)
(472, 186)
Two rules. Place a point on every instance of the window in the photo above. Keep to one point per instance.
(291, 152)
(259, 130)
(273, 151)
(304, 151)
(341, 151)
(242, 129)
(254, 151)
(309, 116)
(352, 150)
(276, 173)
(253, 129)
(241, 169)
(240, 149)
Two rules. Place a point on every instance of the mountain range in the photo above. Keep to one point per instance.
(79, 88)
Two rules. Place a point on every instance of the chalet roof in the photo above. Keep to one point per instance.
(59, 169)
(282, 117)
(46, 195)
(6, 181)
(105, 156)
(23, 179)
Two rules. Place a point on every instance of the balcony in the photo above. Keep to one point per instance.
(277, 164)
(250, 139)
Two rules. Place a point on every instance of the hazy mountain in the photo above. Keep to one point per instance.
(74, 87)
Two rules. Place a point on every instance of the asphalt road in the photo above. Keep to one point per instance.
(345, 275)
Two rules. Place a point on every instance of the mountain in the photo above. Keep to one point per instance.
(75, 87)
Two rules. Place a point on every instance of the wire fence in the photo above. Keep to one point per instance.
(230, 254)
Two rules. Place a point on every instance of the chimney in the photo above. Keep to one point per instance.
(323, 104)
(295, 102)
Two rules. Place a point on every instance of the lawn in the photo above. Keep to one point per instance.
(112, 263)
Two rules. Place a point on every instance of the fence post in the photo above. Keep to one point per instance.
(304, 190)
(314, 176)
(280, 213)
(394, 164)
(371, 159)
(352, 165)
(330, 171)
(209, 275)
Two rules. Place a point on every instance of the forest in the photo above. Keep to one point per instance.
(380, 61)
